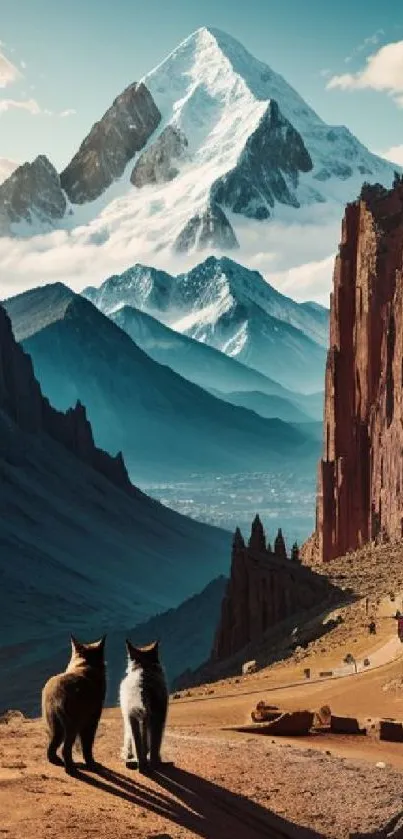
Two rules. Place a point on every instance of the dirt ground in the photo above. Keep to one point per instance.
(230, 785)
(224, 785)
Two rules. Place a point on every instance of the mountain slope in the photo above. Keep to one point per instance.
(213, 370)
(82, 550)
(267, 406)
(233, 309)
(164, 425)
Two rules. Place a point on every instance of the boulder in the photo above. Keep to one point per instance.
(392, 731)
(288, 724)
(249, 667)
(345, 725)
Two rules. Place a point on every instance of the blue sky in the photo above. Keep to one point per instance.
(64, 62)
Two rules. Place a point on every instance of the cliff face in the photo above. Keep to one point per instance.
(360, 486)
(22, 400)
(31, 193)
(123, 130)
(264, 589)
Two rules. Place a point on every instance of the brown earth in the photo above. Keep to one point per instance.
(230, 785)
(224, 784)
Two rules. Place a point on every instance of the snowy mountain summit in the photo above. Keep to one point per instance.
(210, 138)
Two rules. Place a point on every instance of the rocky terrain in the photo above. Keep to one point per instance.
(32, 194)
(360, 495)
(219, 787)
(264, 590)
(22, 400)
(208, 228)
(111, 144)
(252, 188)
(159, 163)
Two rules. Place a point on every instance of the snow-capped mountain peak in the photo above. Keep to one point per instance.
(227, 306)
(197, 156)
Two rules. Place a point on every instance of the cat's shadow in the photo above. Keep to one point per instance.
(202, 807)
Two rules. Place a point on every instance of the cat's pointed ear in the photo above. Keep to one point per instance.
(131, 650)
(100, 645)
(156, 645)
(75, 645)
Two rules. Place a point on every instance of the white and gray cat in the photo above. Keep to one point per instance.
(144, 706)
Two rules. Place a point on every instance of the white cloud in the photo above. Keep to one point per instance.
(9, 73)
(394, 154)
(30, 105)
(296, 257)
(7, 168)
(69, 112)
(383, 71)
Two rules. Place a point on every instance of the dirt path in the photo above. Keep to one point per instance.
(246, 788)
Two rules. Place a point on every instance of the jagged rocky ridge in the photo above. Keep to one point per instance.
(159, 162)
(32, 194)
(111, 144)
(265, 588)
(360, 494)
(233, 309)
(22, 400)
(207, 228)
(267, 170)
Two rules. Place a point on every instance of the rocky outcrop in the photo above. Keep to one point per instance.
(267, 170)
(31, 194)
(111, 144)
(360, 487)
(264, 589)
(209, 228)
(21, 399)
(158, 163)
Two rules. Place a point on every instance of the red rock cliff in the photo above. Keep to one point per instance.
(360, 486)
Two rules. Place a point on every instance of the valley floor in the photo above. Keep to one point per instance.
(284, 499)
(224, 784)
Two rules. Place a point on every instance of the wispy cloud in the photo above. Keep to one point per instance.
(394, 154)
(9, 73)
(383, 71)
(370, 41)
(30, 105)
